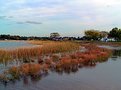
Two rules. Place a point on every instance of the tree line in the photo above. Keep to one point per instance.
(53, 36)
(17, 37)
(89, 35)
(98, 35)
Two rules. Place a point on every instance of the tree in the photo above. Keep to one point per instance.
(103, 34)
(115, 33)
(92, 34)
(54, 35)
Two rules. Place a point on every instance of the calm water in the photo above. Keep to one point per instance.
(104, 76)
(9, 44)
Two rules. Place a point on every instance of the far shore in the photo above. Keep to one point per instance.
(12, 40)
(78, 41)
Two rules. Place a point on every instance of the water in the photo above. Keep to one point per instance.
(104, 76)
(13, 44)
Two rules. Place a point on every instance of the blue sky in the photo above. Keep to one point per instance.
(68, 17)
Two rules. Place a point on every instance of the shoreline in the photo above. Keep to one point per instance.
(12, 40)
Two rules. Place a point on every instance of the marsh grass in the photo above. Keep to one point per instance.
(55, 47)
(46, 47)
(67, 63)
(93, 55)
(4, 56)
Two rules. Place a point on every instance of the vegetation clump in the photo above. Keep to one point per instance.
(46, 47)
(60, 63)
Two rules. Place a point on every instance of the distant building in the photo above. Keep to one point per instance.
(106, 39)
(104, 36)
(111, 39)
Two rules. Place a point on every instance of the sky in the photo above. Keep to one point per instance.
(67, 17)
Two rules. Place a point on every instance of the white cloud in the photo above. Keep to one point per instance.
(97, 3)
(28, 12)
(10, 2)
(88, 12)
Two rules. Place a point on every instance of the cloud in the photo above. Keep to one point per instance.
(27, 13)
(71, 13)
(29, 22)
(33, 22)
(2, 17)
(20, 22)
(41, 11)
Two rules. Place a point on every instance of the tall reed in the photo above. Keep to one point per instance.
(46, 47)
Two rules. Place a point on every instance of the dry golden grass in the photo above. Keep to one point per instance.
(46, 47)
(4, 56)
(55, 47)
(38, 42)
(30, 69)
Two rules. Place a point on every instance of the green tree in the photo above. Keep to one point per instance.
(115, 33)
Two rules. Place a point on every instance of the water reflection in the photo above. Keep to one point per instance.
(26, 80)
(71, 69)
(117, 53)
(65, 69)
(34, 79)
